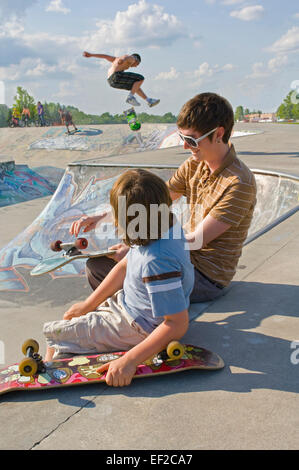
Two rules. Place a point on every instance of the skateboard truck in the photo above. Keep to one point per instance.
(174, 351)
(32, 364)
(70, 249)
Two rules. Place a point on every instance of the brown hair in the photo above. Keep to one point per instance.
(144, 188)
(206, 111)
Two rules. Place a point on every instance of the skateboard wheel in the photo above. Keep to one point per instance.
(30, 343)
(55, 246)
(175, 350)
(28, 367)
(81, 243)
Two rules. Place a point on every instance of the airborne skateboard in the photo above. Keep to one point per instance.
(33, 374)
(132, 119)
(72, 251)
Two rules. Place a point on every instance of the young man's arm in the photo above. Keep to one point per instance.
(208, 230)
(110, 58)
(121, 371)
(112, 283)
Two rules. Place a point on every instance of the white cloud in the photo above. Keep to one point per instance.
(250, 13)
(57, 7)
(289, 42)
(16, 9)
(274, 65)
(141, 25)
(207, 71)
(171, 75)
(65, 90)
(231, 2)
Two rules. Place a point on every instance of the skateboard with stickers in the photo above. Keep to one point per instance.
(70, 252)
(34, 374)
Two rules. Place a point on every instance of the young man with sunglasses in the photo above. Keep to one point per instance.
(118, 78)
(220, 191)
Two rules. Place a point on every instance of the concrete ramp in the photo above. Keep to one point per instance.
(19, 183)
(85, 189)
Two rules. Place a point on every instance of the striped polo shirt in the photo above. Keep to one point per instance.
(229, 195)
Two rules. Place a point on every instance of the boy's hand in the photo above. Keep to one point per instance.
(86, 222)
(86, 54)
(121, 251)
(120, 372)
(76, 310)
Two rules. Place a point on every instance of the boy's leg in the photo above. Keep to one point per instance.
(49, 354)
(110, 328)
(136, 88)
(131, 81)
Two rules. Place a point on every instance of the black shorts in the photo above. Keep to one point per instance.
(124, 80)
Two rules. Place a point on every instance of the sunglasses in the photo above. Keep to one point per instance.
(191, 141)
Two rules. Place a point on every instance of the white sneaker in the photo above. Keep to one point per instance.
(152, 102)
(132, 100)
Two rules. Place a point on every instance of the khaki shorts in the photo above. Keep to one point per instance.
(109, 328)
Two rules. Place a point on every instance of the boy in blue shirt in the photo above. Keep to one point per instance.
(142, 304)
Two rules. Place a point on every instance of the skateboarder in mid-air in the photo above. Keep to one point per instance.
(118, 78)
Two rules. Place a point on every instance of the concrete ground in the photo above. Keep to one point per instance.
(250, 404)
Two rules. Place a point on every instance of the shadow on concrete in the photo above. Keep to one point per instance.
(46, 289)
(90, 132)
(254, 360)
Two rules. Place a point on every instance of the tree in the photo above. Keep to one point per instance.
(288, 109)
(239, 114)
(22, 98)
(4, 115)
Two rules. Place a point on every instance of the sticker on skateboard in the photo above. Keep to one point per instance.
(71, 252)
(132, 119)
(33, 374)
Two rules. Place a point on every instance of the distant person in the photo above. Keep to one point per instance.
(15, 118)
(40, 112)
(67, 119)
(118, 78)
(26, 114)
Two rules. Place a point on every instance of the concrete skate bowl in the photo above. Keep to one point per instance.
(85, 189)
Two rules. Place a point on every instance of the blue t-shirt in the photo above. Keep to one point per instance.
(159, 279)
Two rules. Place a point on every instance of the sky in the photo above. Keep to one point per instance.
(245, 50)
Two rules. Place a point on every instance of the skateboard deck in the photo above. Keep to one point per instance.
(71, 252)
(132, 119)
(51, 264)
(80, 370)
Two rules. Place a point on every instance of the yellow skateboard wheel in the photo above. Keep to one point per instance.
(28, 367)
(30, 343)
(175, 350)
